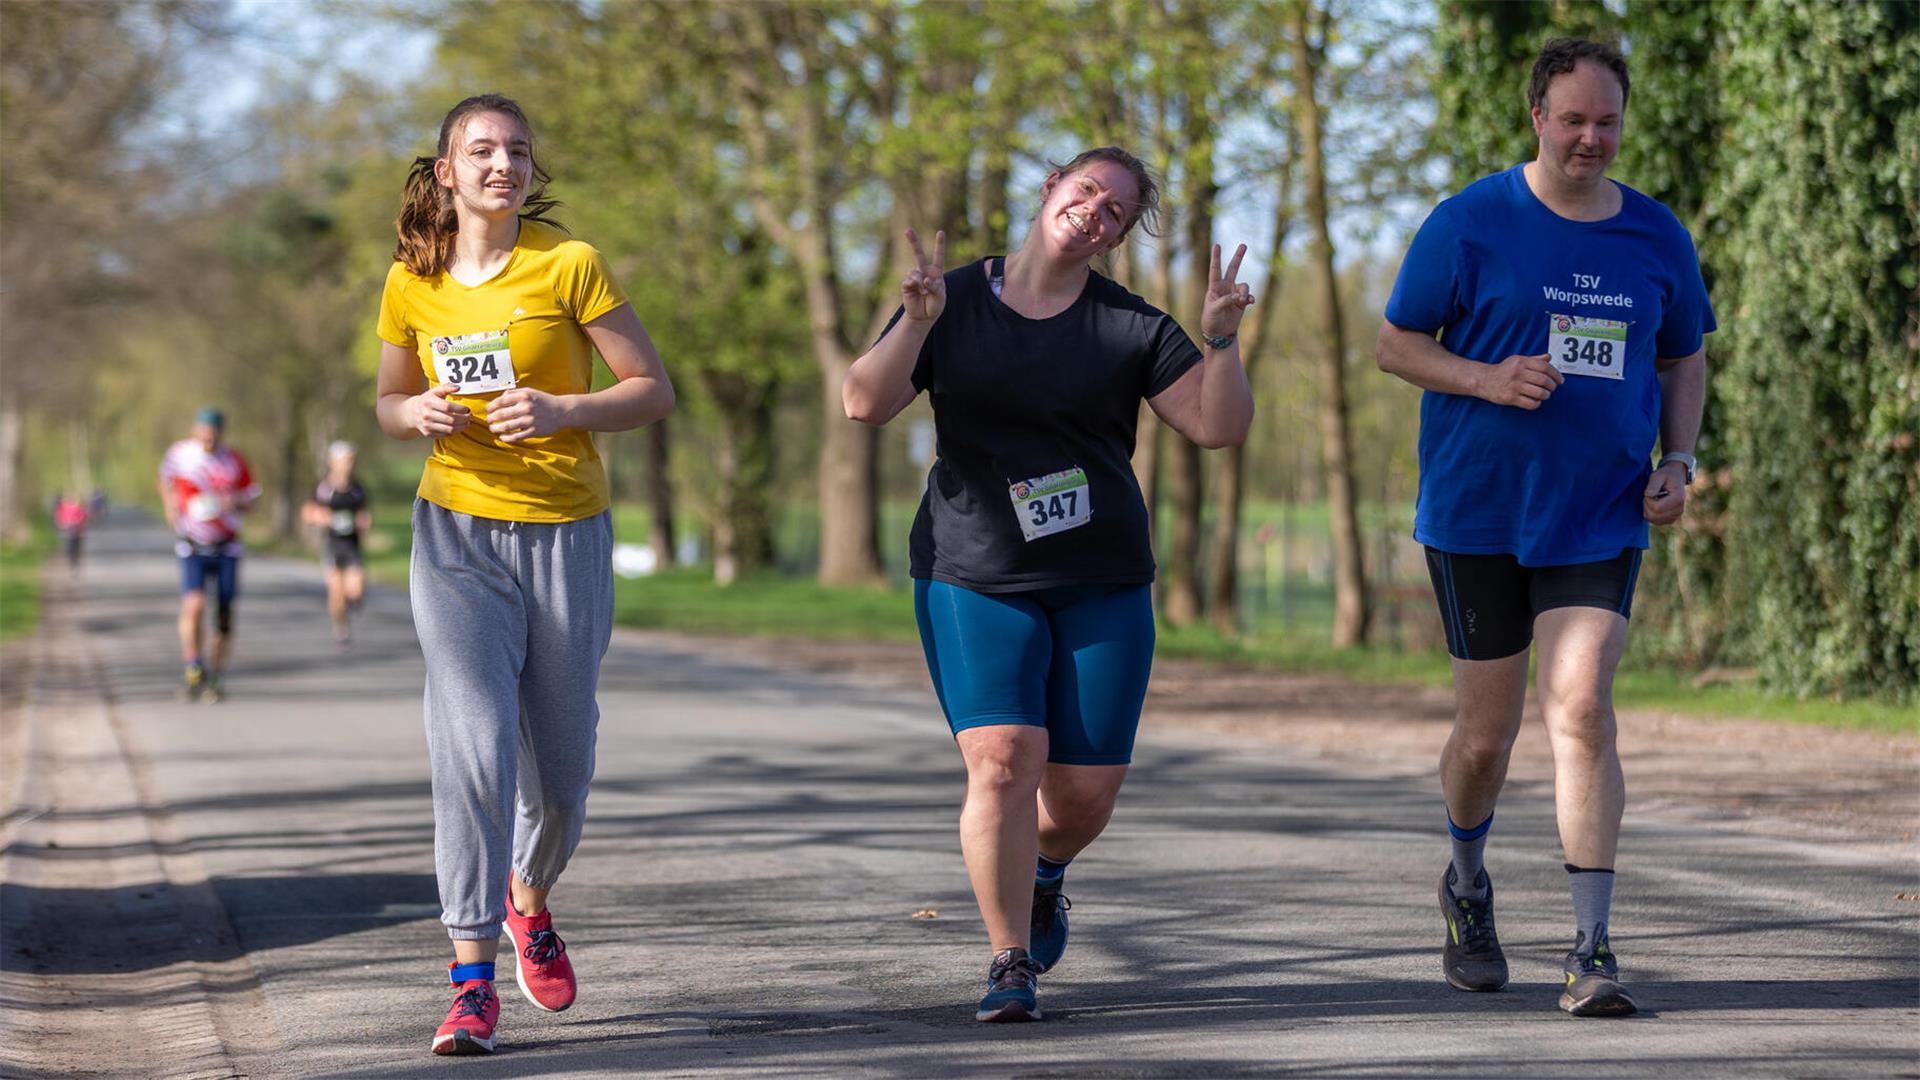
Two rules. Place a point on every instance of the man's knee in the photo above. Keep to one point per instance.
(1580, 720)
(1481, 750)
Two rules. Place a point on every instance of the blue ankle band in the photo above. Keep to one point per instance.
(461, 973)
(1474, 833)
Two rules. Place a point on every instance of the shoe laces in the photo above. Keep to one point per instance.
(1013, 969)
(1598, 960)
(1476, 922)
(543, 947)
(473, 1000)
(1047, 906)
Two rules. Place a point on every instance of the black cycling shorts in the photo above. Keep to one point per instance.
(343, 552)
(1489, 602)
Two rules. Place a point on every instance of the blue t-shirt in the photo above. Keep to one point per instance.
(1494, 272)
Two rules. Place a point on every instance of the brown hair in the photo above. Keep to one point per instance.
(427, 223)
(1146, 213)
(1559, 57)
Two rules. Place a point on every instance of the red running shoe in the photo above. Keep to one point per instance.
(469, 1026)
(540, 959)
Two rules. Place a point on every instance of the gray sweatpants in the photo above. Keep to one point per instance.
(514, 619)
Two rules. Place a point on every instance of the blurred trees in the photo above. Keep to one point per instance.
(748, 169)
(78, 85)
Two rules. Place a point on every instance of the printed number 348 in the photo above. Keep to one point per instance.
(1592, 352)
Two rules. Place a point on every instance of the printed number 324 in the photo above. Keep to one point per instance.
(466, 369)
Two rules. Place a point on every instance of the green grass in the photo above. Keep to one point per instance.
(764, 605)
(1305, 652)
(20, 566)
(776, 605)
(1669, 690)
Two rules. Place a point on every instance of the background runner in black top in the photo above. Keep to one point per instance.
(1016, 398)
(338, 508)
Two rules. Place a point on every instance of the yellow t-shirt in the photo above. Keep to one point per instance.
(549, 287)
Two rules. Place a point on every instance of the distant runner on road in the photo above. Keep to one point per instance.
(338, 507)
(70, 518)
(1555, 320)
(489, 322)
(205, 485)
(1031, 564)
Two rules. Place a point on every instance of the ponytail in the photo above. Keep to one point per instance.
(427, 221)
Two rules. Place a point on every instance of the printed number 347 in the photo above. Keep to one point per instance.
(1054, 508)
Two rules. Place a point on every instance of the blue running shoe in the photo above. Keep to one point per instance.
(1593, 980)
(1049, 938)
(1011, 981)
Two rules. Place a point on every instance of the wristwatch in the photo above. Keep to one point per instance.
(1687, 461)
(1220, 342)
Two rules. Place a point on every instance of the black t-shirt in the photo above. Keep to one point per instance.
(346, 504)
(1017, 400)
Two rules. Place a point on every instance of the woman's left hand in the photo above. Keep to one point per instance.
(1226, 298)
(525, 413)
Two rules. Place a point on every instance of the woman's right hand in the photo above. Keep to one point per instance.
(432, 415)
(924, 290)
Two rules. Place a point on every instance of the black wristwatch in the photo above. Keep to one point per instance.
(1220, 342)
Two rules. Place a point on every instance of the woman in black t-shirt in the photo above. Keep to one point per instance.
(1030, 556)
(339, 509)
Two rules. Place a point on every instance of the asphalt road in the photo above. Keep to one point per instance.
(248, 889)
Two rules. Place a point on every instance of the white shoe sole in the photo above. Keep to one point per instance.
(461, 1042)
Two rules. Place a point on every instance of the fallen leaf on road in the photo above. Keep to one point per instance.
(926, 913)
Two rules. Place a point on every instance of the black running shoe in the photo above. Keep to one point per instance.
(1473, 960)
(1049, 930)
(1011, 982)
(1593, 980)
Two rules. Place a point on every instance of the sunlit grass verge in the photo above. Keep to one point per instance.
(687, 599)
(1668, 690)
(20, 585)
(764, 605)
(1304, 652)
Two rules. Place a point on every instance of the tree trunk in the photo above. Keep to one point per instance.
(1229, 490)
(1185, 475)
(14, 527)
(849, 460)
(1181, 592)
(1350, 609)
(660, 529)
(996, 212)
(286, 515)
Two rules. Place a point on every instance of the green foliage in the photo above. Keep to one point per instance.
(1782, 134)
(1822, 391)
(20, 582)
(1484, 52)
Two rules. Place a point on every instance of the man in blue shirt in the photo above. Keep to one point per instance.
(1555, 320)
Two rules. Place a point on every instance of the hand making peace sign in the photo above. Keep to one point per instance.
(1226, 299)
(924, 289)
